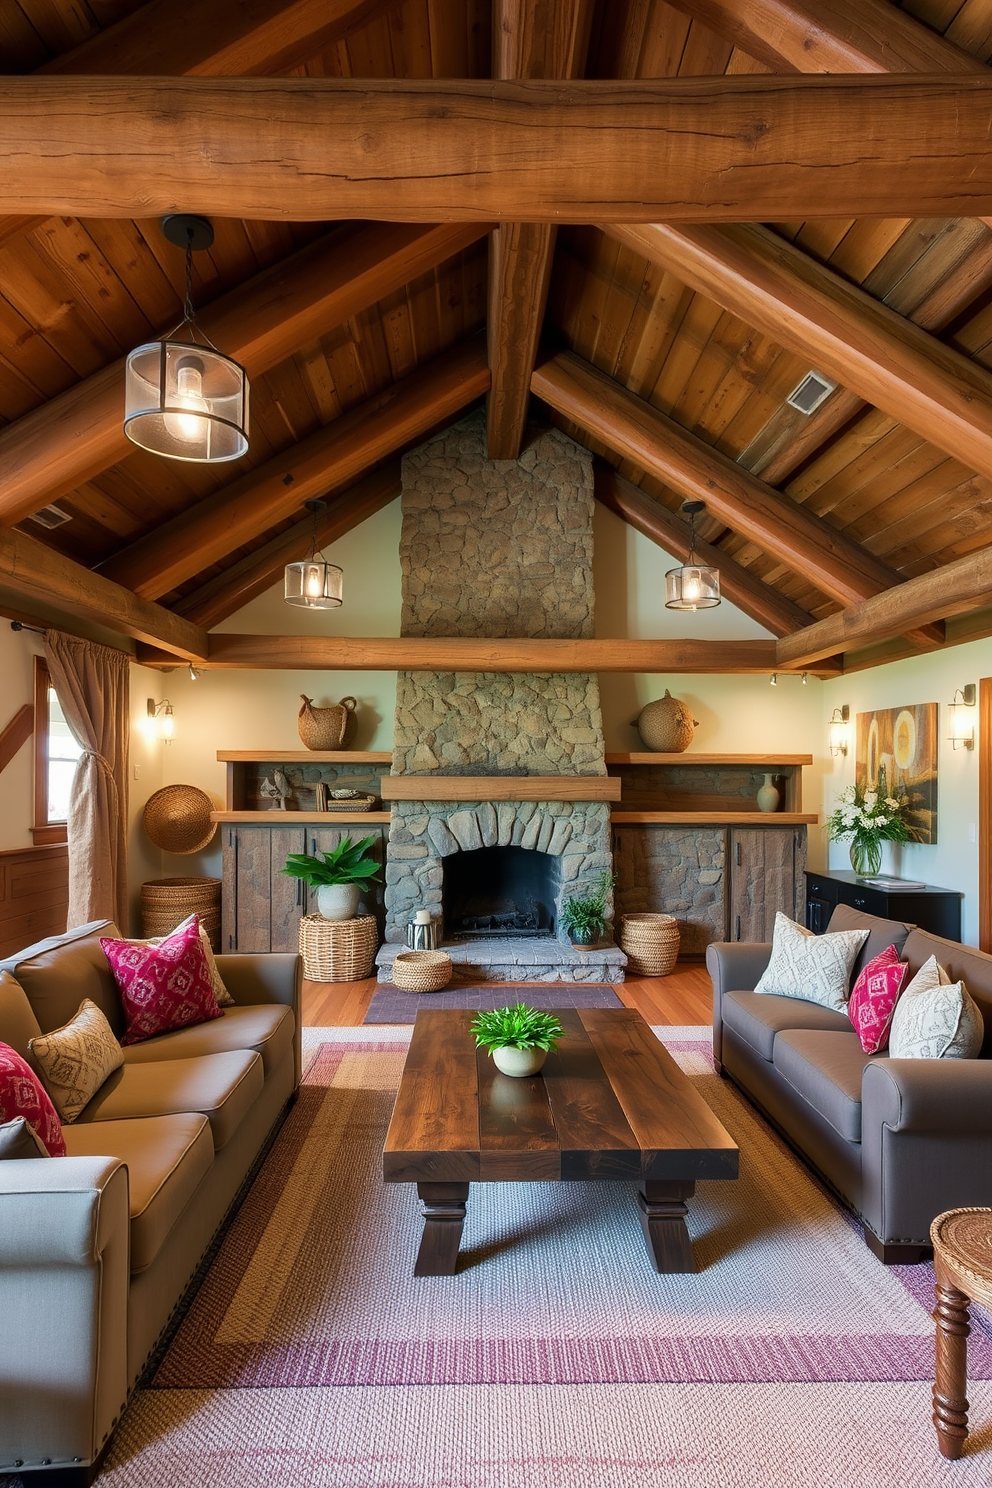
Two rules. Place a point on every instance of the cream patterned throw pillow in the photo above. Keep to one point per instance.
(75, 1060)
(814, 968)
(935, 1018)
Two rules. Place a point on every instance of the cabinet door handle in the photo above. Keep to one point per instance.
(737, 928)
(299, 891)
(737, 859)
(859, 903)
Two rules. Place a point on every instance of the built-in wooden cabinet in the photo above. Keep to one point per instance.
(766, 868)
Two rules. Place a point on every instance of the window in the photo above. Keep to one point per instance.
(55, 755)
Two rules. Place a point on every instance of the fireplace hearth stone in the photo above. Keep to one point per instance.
(527, 959)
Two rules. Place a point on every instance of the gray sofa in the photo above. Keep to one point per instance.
(900, 1140)
(97, 1248)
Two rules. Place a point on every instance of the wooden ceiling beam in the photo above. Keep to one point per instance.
(759, 601)
(28, 568)
(844, 332)
(258, 571)
(707, 148)
(853, 36)
(80, 433)
(206, 533)
(957, 587)
(634, 429)
(527, 43)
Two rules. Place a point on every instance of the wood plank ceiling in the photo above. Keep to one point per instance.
(361, 338)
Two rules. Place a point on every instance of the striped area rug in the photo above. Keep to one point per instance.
(556, 1355)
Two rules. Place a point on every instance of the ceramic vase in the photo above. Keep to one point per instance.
(338, 901)
(866, 856)
(769, 796)
(519, 1062)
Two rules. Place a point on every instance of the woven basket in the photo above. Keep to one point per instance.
(166, 902)
(338, 950)
(422, 971)
(650, 943)
(177, 818)
(324, 728)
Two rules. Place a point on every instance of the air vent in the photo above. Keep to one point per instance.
(50, 516)
(810, 393)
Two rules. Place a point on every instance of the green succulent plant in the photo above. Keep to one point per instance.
(349, 863)
(519, 1027)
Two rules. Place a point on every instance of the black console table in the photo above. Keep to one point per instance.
(936, 910)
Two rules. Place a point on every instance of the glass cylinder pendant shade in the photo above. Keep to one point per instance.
(314, 584)
(694, 586)
(186, 401)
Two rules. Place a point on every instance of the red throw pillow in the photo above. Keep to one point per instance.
(22, 1094)
(874, 998)
(165, 986)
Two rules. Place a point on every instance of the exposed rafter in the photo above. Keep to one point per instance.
(716, 149)
(205, 533)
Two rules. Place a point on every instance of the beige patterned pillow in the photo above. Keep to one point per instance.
(75, 1060)
(935, 1018)
(222, 997)
(814, 968)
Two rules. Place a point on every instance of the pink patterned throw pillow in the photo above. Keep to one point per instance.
(22, 1094)
(165, 986)
(874, 998)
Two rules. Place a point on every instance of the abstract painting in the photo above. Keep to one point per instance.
(903, 741)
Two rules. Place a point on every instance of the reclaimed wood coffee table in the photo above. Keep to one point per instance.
(610, 1104)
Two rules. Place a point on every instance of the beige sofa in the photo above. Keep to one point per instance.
(97, 1248)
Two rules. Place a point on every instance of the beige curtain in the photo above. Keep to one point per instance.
(92, 683)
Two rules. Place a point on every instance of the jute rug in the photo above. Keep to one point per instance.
(556, 1356)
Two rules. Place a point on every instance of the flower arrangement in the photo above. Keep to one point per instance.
(868, 818)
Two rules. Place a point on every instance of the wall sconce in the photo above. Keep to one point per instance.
(961, 718)
(165, 719)
(773, 680)
(837, 729)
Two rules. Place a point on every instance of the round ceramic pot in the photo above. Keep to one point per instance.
(338, 901)
(518, 1062)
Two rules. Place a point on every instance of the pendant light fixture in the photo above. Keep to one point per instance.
(182, 397)
(694, 586)
(314, 584)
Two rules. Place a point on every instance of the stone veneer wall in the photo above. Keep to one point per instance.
(495, 548)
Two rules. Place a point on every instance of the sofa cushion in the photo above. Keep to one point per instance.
(164, 986)
(816, 968)
(757, 1017)
(265, 1027)
(881, 933)
(75, 1060)
(167, 1159)
(22, 1094)
(935, 1018)
(59, 972)
(222, 1087)
(222, 997)
(825, 1069)
(18, 1024)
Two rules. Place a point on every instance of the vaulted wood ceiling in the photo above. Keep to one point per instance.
(668, 348)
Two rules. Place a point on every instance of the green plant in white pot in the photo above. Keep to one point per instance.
(340, 877)
(519, 1039)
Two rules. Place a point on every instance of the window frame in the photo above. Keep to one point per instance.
(45, 831)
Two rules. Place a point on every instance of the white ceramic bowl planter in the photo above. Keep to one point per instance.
(338, 901)
(519, 1062)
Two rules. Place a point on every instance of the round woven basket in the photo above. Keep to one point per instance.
(338, 950)
(650, 943)
(177, 818)
(166, 902)
(422, 971)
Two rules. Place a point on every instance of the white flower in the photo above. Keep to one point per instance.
(890, 802)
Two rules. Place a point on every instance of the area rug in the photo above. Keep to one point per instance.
(391, 1005)
(556, 1356)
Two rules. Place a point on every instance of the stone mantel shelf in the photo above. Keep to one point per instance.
(500, 788)
(318, 818)
(714, 818)
(760, 761)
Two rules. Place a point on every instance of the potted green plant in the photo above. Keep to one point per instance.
(584, 916)
(339, 876)
(869, 818)
(518, 1038)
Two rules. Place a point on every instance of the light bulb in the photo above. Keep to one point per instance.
(313, 583)
(189, 395)
(691, 587)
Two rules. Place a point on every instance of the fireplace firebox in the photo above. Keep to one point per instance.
(500, 891)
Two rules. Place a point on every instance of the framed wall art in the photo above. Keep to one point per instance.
(903, 741)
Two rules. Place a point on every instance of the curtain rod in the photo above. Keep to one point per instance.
(19, 625)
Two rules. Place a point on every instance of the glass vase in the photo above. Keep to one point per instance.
(866, 856)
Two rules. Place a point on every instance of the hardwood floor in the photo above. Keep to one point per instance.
(684, 997)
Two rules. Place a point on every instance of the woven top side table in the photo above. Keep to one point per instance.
(338, 950)
(962, 1260)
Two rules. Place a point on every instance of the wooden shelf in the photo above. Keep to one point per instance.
(304, 756)
(500, 788)
(710, 818)
(760, 761)
(318, 818)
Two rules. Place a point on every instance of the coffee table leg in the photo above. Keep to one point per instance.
(663, 1211)
(444, 1215)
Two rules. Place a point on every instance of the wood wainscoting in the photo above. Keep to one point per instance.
(34, 895)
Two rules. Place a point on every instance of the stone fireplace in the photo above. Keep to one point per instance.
(502, 549)
(500, 891)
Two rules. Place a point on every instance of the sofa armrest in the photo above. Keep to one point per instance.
(948, 1097)
(734, 966)
(64, 1268)
(268, 977)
